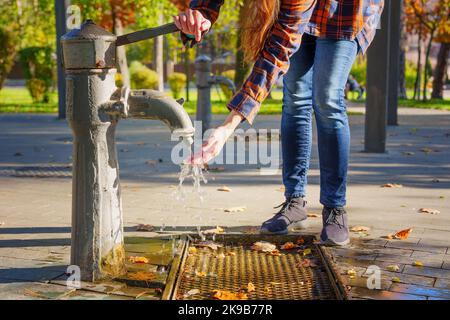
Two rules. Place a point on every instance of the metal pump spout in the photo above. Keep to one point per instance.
(155, 105)
(225, 81)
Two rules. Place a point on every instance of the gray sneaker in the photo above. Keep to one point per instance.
(292, 215)
(335, 227)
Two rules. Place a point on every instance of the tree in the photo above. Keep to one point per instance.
(426, 18)
(440, 71)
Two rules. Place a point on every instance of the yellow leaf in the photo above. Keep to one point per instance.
(224, 189)
(138, 259)
(200, 274)
(306, 252)
(428, 210)
(235, 209)
(192, 250)
(250, 287)
(396, 279)
(391, 185)
(312, 215)
(227, 295)
(418, 263)
(359, 229)
(393, 268)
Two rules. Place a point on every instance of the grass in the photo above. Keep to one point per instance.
(18, 100)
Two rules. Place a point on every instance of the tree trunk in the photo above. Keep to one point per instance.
(121, 54)
(242, 68)
(159, 57)
(419, 68)
(440, 71)
(402, 59)
(427, 58)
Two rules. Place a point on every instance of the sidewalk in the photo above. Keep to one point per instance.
(36, 212)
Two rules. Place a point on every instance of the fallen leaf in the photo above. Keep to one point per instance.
(396, 279)
(200, 274)
(141, 276)
(216, 230)
(140, 143)
(359, 229)
(191, 292)
(408, 153)
(275, 253)
(145, 227)
(138, 259)
(263, 246)
(305, 252)
(288, 246)
(428, 210)
(151, 162)
(312, 215)
(224, 189)
(401, 235)
(306, 263)
(227, 295)
(250, 287)
(192, 250)
(235, 209)
(351, 273)
(300, 241)
(418, 264)
(393, 268)
(392, 185)
(428, 150)
(208, 244)
(267, 289)
(231, 253)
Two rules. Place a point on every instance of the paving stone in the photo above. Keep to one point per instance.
(383, 294)
(426, 271)
(428, 261)
(420, 290)
(442, 283)
(416, 246)
(446, 265)
(33, 274)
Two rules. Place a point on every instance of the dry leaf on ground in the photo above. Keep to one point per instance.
(141, 276)
(216, 230)
(305, 252)
(275, 253)
(235, 209)
(392, 185)
(401, 235)
(140, 143)
(288, 246)
(227, 295)
(428, 150)
(191, 292)
(224, 189)
(138, 259)
(351, 273)
(300, 241)
(418, 264)
(200, 274)
(145, 227)
(393, 268)
(208, 244)
(250, 287)
(263, 246)
(408, 153)
(396, 279)
(429, 210)
(312, 215)
(192, 250)
(151, 162)
(306, 263)
(359, 229)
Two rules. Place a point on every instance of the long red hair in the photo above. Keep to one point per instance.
(258, 18)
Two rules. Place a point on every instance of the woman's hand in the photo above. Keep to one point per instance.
(192, 22)
(212, 147)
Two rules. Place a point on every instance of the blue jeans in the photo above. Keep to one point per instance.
(315, 81)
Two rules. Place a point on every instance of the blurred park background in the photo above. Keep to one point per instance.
(28, 64)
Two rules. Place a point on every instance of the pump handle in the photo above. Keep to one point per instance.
(146, 34)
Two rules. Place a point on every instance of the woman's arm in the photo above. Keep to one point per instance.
(273, 61)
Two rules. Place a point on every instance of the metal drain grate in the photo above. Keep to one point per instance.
(38, 172)
(274, 277)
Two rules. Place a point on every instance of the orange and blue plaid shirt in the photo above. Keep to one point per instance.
(331, 19)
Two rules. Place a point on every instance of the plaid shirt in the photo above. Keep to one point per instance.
(331, 19)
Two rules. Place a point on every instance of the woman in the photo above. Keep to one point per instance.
(313, 43)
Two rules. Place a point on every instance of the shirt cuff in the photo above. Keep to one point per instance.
(245, 105)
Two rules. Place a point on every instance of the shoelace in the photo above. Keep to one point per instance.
(334, 216)
(285, 206)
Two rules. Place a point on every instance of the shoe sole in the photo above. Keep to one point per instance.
(333, 243)
(296, 225)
